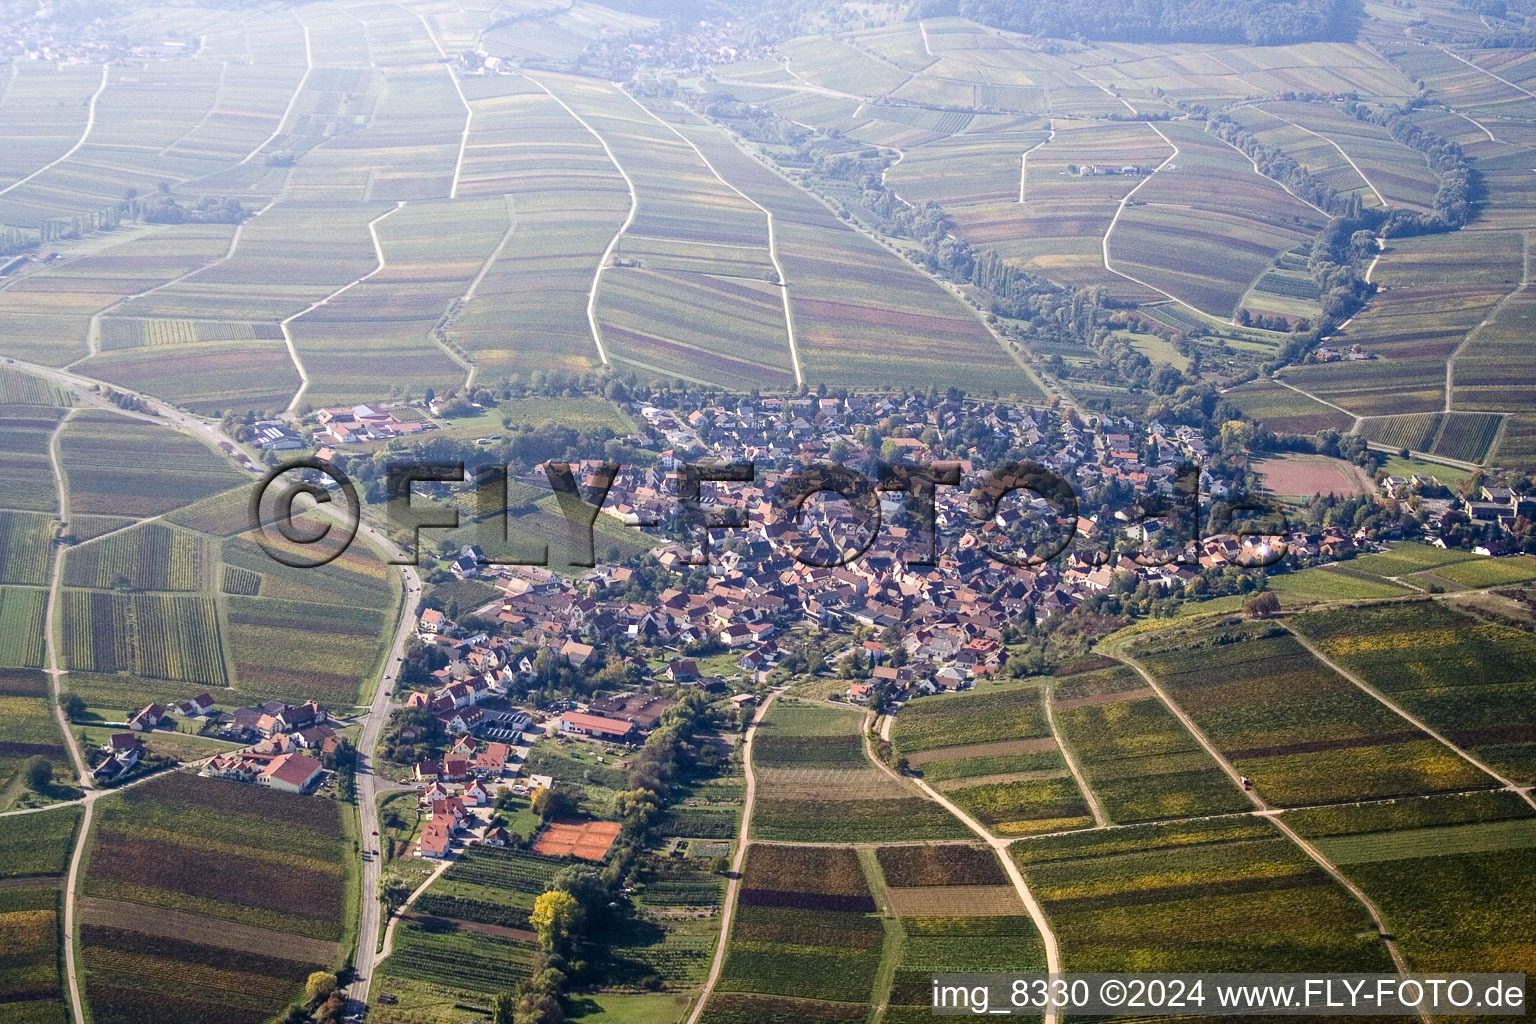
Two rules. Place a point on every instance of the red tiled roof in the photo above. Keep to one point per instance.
(293, 769)
(595, 723)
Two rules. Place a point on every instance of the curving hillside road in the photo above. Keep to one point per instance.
(373, 724)
(613, 243)
(1411, 719)
(90, 123)
(1273, 815)
(999, 846)
(728, 908)
(368, 954)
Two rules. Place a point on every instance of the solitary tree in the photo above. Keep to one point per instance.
(547, 803)
(1262, 606)
(320, 986)
(38, 771)
(395, 894)
(556, 916)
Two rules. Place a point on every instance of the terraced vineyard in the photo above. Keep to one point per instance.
(35, 853)
(1139, 759)
(1465, 852)
(1303, 733)
(120, 467)
(154, 636)
(819, 791)
(27, 728)
(1220, 895)
(471, 937)
(249, 888)
(1464, 678)
(993, 754)
(151, 557)
(803, 932)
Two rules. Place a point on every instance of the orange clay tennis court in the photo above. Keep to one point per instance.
(589, 840)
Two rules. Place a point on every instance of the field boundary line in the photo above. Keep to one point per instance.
(387, 947)
(1274, 816)
(801, 85)
(893, 939)
(1124, 202)
(90, 122)
(124, 529)
(293, 101)
(948, 286)
(95, 794)
(1215, 56)
(1478, 124)
(864, 845)
(806, 83)
(218, 93)
(1024, 157)
(738, 863)
(69, 926)
(51, 615)
(1254, 164)
(1493, 314)
(93, 330)
(1490, 74)
(367, 46)
(469, 111)
(293, 352)
(773, 250)
(1408, 716)
(1066, 755)
(613, 243)
(1322, 401)
(923, 28)
(1107, 91)
(653, 368)
(485, 268)
(1255, 813)
(999, 849)
(9, 81)
(474, 285)
(1347, 159)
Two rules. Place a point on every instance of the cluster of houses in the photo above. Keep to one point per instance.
(478, 766)
(764, 576)
(363, 423)
(1493, 511)
(472, 698)
(469, 759)
(276, 733)
(43, 32)
(282, 725)
(122, 754)
(288, 773)
(623, 719)
(1502, 505)
(282, 738)
(449, 817)
(1101, 170)
(1324, 354)
(470, 695)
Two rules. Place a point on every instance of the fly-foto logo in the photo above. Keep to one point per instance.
(1044, 529)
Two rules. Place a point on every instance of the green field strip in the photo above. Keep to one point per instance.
(1478, 837)
(894, 945)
